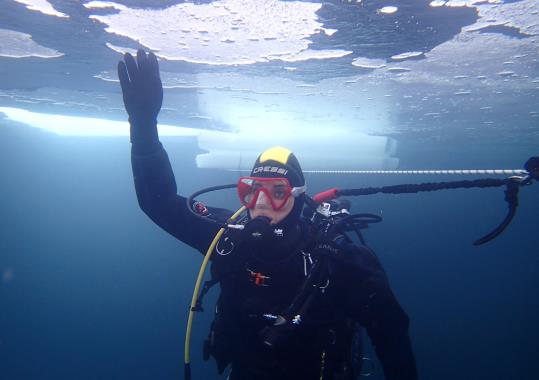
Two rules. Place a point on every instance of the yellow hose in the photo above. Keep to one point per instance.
(187, 358)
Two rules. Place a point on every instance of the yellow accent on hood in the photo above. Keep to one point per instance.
(277, 153)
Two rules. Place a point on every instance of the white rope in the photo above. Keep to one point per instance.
(519, 172)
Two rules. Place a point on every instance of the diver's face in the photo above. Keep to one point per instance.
(263, 208)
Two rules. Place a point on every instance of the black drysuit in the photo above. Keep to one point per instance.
(252, 288)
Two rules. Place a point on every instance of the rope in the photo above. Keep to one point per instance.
(430, 172)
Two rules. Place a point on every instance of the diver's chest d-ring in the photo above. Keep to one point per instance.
(227, 249)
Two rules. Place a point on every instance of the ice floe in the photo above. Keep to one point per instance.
(42, 6)
(21, 45)
(224, 32)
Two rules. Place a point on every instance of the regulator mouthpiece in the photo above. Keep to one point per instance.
(258, 229)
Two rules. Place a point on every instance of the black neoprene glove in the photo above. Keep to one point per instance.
(143, 96)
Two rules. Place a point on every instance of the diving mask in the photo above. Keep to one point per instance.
(276, 190)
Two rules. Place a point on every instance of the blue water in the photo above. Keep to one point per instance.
(98, 291)
(90, 288)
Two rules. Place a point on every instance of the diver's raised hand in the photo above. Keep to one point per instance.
(142, 93)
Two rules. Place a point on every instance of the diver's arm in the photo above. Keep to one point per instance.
(388, 329)
(154, 180)
(157, 196)
(374, 305)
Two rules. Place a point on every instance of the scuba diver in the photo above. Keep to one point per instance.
(294, 295)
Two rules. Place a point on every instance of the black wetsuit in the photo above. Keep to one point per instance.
(357, 289)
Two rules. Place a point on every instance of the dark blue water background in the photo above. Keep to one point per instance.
(94, 290)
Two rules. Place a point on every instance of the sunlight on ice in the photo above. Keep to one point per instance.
(20, 45)
(121, 50)
(407, 55)
(471, 3)
(42, 6)
(485, 55)
(305, 124)
(104, 5)
(368, 63)
(388, 10)
(82, 126)
(224, 32)
(228, 150)
(520, 15)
